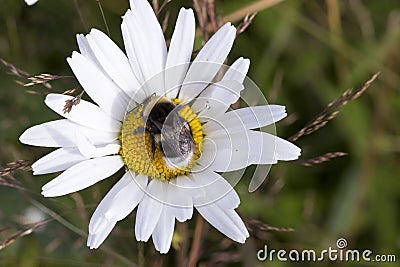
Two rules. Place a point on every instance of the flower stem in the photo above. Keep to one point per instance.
(78, 10)
(194, 253)
(141, 259)
(103, 16)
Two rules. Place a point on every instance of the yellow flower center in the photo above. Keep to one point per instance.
(142, 151)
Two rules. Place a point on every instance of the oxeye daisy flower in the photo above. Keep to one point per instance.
(162, 118)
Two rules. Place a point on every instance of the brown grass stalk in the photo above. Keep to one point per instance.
(14, 166)
(157, 12)
(72, 102)
(43, 78)
(5, 243)
(248, 19)
(251, 8)
(253, 225)
(333, 109)
(323, 158)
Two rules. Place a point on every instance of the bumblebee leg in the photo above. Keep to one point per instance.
(138, 130)
(153, 146)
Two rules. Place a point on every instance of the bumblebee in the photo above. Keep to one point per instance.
(168, 130)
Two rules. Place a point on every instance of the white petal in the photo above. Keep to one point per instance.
(124, 201)
(210, 187)
(162, 235)
(258, 116)
(149, 211)
(62, 133)
(180, 52)
(227, 221)
(217, 98)
(208, 62)
(284, 150)
(181, 213)
(230, 151)
(223, 154)
(248, 118)
(238, 70)
(99, 87)
(266, 148)
(89, 150)
(138, 34)
(177, 201)
(95, 240)
(259, 176)
(148, 43)
(87, 52)
(31, 2)
(172, 195)
(85, 113)
(113, 61)
(58, 160)
(82, 175)
(128, 42)
(119, 202)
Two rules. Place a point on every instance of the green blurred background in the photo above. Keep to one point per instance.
(303, 54)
